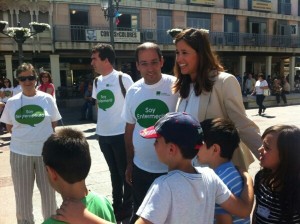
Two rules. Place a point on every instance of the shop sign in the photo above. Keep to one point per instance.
(262, 5)
(119, 36)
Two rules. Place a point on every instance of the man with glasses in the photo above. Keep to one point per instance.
(146, 101)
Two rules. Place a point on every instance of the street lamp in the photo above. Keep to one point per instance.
(20, 34)
(109, 13)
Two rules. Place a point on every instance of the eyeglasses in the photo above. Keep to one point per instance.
(24, 78)
(45, 77)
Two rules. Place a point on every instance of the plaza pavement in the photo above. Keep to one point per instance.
(99, 179)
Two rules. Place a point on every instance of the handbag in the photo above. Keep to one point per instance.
(266, 92)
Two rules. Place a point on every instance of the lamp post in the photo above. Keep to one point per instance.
(109, 13)
(20, 34)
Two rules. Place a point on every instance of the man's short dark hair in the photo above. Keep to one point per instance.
(105, 51)
(67, 152)
(222, 132)
(147, 46)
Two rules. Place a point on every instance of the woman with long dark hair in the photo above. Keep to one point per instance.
(206, 91)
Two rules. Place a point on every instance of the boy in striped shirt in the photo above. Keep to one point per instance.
(220, 140)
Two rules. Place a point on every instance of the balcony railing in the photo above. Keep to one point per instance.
(78, 34)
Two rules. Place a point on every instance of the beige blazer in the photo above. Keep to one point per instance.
(225, 101)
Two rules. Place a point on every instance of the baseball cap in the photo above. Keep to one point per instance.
(177, 127)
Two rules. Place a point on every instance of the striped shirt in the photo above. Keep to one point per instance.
(232, 178)
(268, 208)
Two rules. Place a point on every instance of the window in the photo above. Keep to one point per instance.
(284, 7)
(79, 22)
(164, 23)
(198, 20)
(232, 4)
(294, 29)
(24, 18)
(127, 21)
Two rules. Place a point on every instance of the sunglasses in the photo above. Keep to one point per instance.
(24, 78)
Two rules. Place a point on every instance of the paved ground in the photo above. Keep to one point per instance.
(98, 179)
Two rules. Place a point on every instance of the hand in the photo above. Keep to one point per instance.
(128, 174)
(74, 212)
(71, 211)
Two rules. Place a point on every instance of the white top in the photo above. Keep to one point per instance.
(180, 197)
(7, 93)
(144, 105)
(110, 101)
(190, 104)
(259, 84)
(32, 119)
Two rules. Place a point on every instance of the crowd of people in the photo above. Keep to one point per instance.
(172, 144)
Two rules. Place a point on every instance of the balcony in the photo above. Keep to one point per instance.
(70, 37)
(78, 34)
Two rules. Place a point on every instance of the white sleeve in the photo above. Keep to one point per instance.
(127, 114)
(94, 92)
(157, 203)
(55, 115)
(222, 191)
(127, 80)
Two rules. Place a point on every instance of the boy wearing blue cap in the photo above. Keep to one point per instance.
(186, 194)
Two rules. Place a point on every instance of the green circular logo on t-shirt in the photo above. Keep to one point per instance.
(105, 99)
(148, 112)
(30, 114)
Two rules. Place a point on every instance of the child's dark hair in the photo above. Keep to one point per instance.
(222, 132)
(67, 152)
(186, 151)
(286, 179)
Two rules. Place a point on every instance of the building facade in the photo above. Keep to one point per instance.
(249, 35)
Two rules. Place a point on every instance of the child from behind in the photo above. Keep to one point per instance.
(67, 159)
(220, 139)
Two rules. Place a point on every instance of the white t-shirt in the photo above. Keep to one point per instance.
(110, 101)
(7, 94)
(32, 119)
(259, 84)
(190, 104)
(144, 105)
(180, 197)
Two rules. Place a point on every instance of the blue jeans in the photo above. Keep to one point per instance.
(89, 107)
(141, 182)
(113, 149)
(259, 101)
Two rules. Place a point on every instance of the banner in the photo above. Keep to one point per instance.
(262, 5)
(119, 36)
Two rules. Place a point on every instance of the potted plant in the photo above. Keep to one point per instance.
(2, 25)
(18, 32)
(174, 32)
(39, 27)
